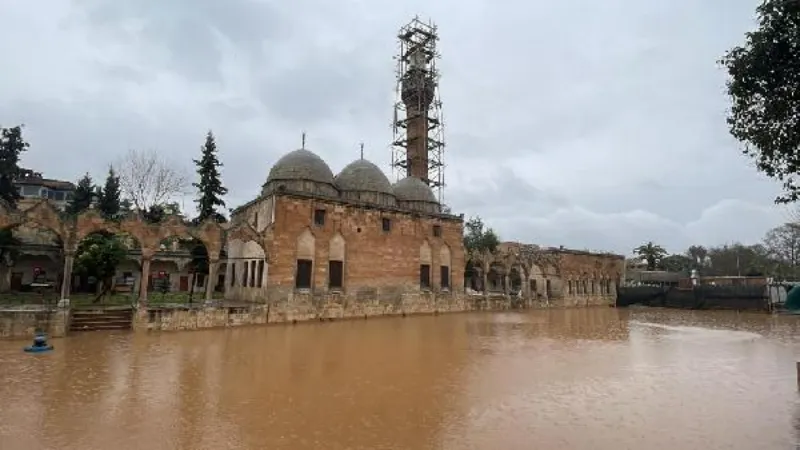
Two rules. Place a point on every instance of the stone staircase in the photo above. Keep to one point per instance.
(100, 319)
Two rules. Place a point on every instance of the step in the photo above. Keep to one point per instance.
(100, 328)
(101, 316)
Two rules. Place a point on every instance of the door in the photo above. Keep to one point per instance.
(16, 281)
(184, 283)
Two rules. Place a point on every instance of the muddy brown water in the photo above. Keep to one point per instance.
(570, 379)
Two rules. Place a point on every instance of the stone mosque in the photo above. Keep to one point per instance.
(352, 236)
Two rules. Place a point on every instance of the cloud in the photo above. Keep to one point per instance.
(575, 123)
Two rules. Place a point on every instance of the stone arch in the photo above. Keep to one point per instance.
(306, 245)
(90, 222)
(44, 215)
(8, 217)
(244, 232)
(445, 257)
(305, 259)
(425, 254)
(337, 248)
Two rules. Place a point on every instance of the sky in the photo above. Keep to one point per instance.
(592, 125)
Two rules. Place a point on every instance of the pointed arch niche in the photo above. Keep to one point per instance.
(445, 267)
(425, 263)
(304, 270)
(336, 258)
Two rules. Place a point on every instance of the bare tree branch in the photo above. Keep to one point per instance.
(147, 179)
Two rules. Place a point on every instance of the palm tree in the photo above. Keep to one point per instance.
(698, 253)
(651, 253)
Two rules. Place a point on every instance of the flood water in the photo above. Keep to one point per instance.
(570, 379)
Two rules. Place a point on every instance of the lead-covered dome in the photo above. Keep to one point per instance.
(302, 171)
(413, 193)
(363, 181)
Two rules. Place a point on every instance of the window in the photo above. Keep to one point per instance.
(261, 273)
(255, 220)
(319, 217)
(387, 224)
(335, 274)
(569, 287)
(60, 196)
(437, 231)
(252, 274)
(302, 279)
(424, 276)
(444, 271)
(245, 272)
(29, 191)
(233, 274)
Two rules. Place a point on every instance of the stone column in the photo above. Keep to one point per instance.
(506, 284)
(66, 282)
(211, 282)
(144, 280)
(526, 290)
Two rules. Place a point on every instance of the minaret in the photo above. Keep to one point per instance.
(418, 137)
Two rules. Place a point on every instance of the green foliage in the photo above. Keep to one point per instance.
(209, 186)
(764, 87)
(82, 198)
(98, 256)
(109, 200)
(676, 263)
(477, 239)
(651, 253)
(199, 253)
(12, 145)
(157, 213)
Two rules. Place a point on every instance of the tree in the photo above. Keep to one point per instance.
(698, 254)
(157, 213)
(12, 145)
(651, 253)
(82, 198)
(783, 246)
(109, 201)
(764, 87)
(676, 263)
(739, 259)
(210, 185)
(477, 239)
(98, 256)
(147, 180)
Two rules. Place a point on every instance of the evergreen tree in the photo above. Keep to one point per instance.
(82, 198)
(11, 147)
(109, 201)
(210, 185)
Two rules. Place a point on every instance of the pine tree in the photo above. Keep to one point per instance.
(82, 198)
(11, 147)
(109, 201)
(210, 185)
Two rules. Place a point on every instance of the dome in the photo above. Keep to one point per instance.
(362, 175)
(301, 165)
(412, 189)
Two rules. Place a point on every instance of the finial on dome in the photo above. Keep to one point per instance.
(303, 141)
(362, 150)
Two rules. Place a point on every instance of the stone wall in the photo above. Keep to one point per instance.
(22, 323)
(375, 261)
(302, 307)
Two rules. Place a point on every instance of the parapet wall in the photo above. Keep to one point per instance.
(23, 323)
(304, 307)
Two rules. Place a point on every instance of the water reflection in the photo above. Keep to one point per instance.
(594, 379)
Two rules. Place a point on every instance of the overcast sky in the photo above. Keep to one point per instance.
(584, 123)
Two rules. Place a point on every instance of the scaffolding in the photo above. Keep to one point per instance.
(417, 97)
